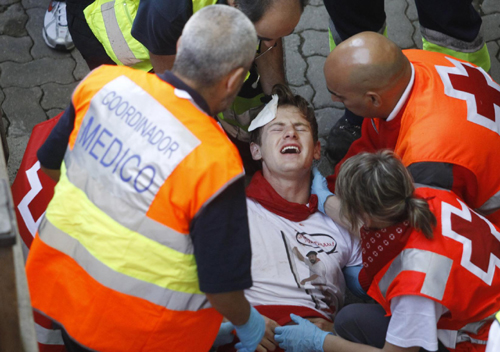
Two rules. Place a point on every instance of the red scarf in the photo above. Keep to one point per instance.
(260, 190)
(380, 246)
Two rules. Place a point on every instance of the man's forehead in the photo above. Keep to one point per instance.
(287, 115)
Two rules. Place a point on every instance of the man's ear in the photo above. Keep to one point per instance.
(255, 150)
(235, 79)
(317, 151)
(374, 98)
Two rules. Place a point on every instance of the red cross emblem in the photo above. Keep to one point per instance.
(480, 239)
(482, 95)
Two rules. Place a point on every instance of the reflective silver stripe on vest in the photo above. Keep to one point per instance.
(474, 328)
(463, 337)
(491, 205)
(48, 336)
(115, 36)
(436, 268)
(120, 211)
(116, 281)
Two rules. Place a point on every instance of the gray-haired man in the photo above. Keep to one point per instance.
(129, 251)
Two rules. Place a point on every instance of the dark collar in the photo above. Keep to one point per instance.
(175, 81)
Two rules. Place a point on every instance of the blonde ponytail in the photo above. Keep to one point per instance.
(420, 216)
(378, 186)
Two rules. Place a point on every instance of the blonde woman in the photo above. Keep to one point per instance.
(429, 261)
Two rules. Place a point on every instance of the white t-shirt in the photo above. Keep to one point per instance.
(283, 252)
(414, 323)
(494, 338)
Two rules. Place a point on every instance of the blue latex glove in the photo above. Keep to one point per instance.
(304, 337)
(250, 333)
(224, 336)
(351, 274)
(320, 188)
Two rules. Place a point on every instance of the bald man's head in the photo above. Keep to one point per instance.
(368, 73)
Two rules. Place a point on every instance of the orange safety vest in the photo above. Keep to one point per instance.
(452, 116)
(459, 268)
(113, 261)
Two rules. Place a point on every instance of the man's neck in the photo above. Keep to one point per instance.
(294, 190)
(205, 93)
(396, 92)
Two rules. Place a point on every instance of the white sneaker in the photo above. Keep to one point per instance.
(55, 27)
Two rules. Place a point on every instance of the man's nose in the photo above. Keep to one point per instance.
(290, 132)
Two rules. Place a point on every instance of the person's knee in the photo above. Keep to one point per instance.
(362, 323)
(346, 321)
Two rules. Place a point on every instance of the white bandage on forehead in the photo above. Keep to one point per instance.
(266, 115)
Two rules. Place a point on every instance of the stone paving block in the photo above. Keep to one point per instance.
(324, 166)
(5, 3)
(13, 21)
(29, 4)
(15, 49)
(6, 124)
(316, 78)
(315, 43)
(35, 73)
(326, 119)
(304, 91)
(22, 108)
(313, 18)
(2, 97)
(57, 96)
(17, 146)
(417, 37)
(315, 2)
(490, 6)
(295, 65)
(399, 28)
(34, 27)
(491, 27)
(411, 10)
(81, 69)
(494, 50)
(53, 112)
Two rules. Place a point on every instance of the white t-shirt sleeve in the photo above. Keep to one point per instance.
(414, 322)
(494, 338)
(354, 245)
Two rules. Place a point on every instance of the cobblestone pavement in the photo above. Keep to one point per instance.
(36, 82)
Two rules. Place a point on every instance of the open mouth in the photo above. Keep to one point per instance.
(290, 149)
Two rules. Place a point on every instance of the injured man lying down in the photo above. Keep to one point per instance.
(301, 259)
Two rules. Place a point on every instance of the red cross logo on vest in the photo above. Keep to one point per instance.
(472, 84)
(480, 239)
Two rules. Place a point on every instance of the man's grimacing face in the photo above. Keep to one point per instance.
(287, 144)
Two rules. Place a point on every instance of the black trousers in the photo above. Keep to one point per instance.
(367, 324)
(455, 18)
(89, 46)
